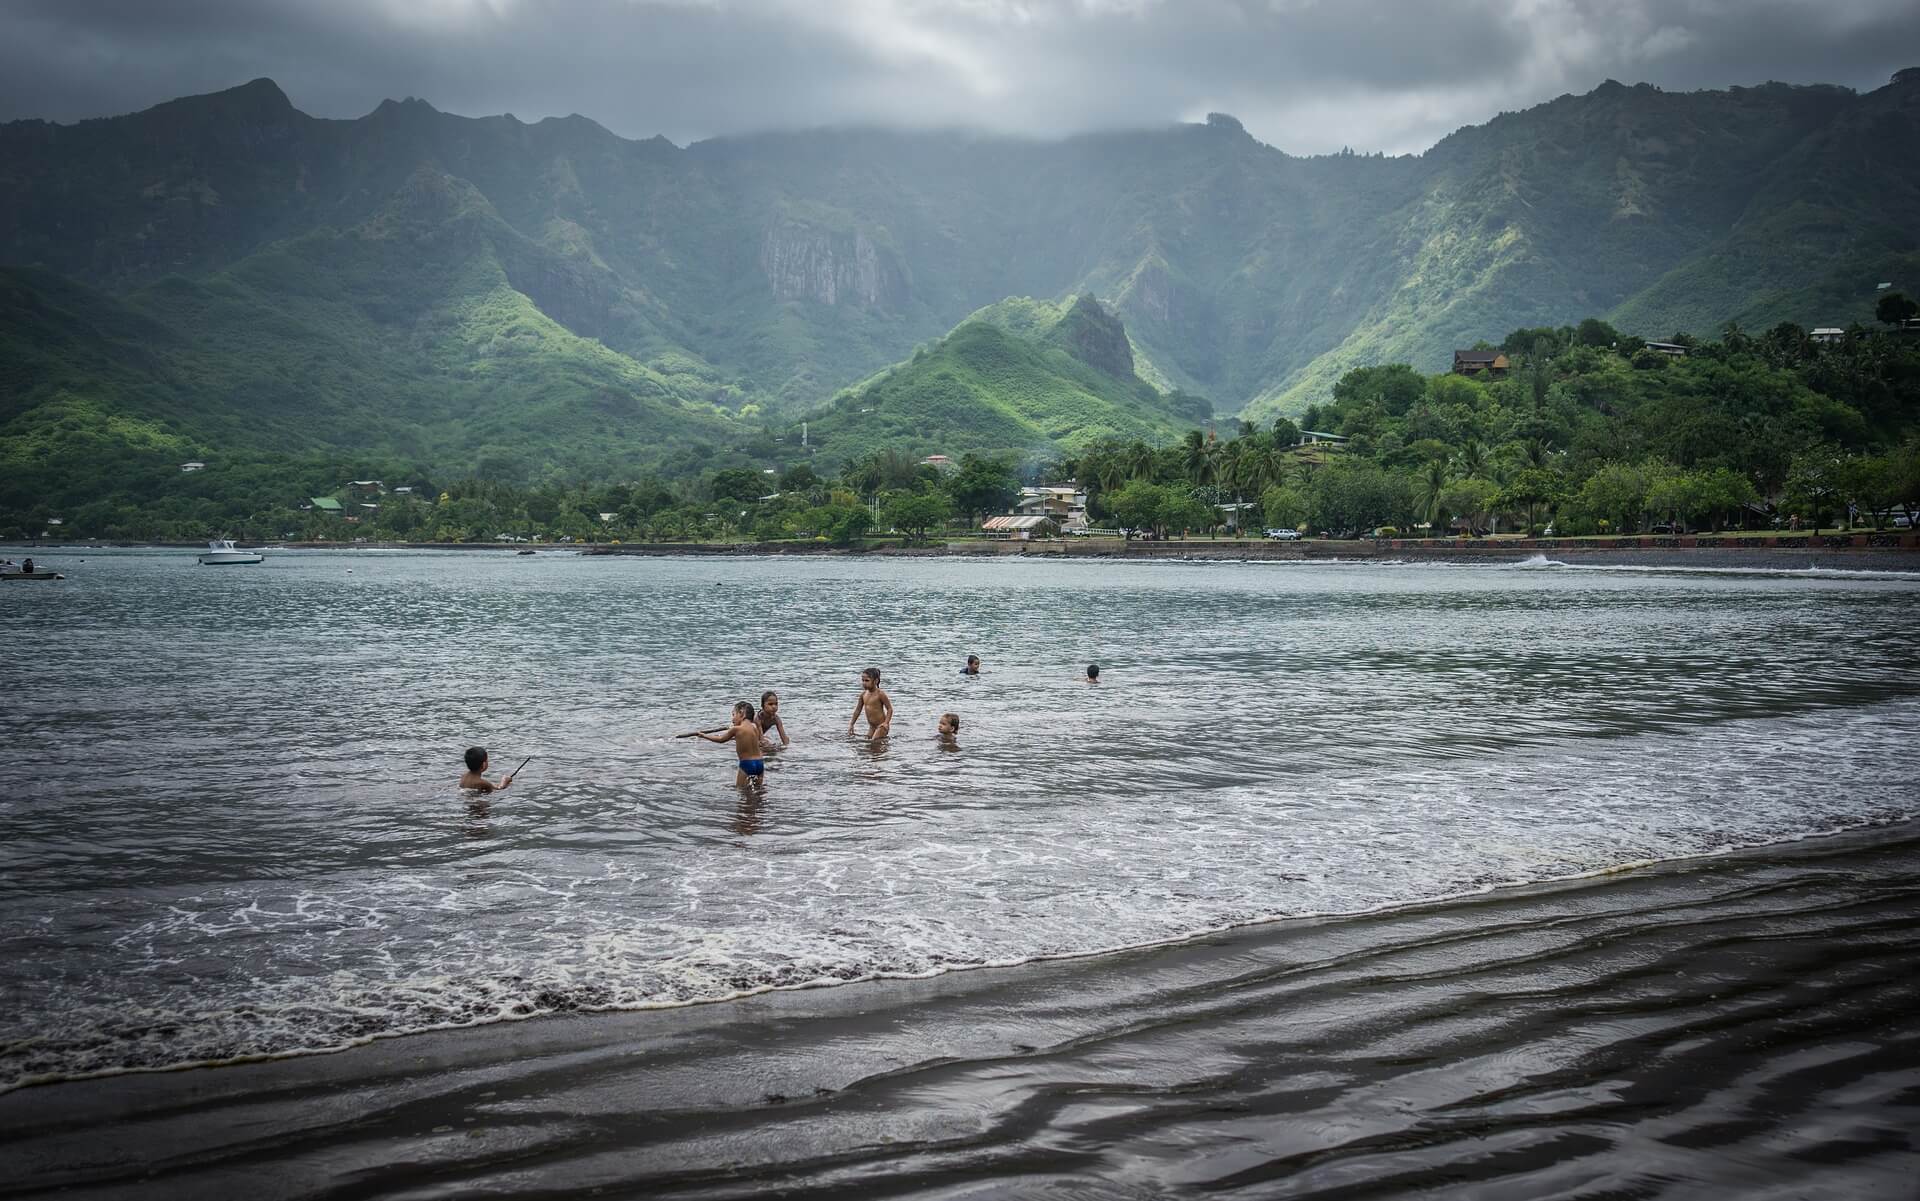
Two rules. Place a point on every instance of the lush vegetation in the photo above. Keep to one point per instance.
(550, 301)
(1022, 379)
(541, 309)
(1592, 433)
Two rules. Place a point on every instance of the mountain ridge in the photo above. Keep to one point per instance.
(743, 282)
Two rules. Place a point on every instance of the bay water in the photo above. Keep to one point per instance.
(231, 827)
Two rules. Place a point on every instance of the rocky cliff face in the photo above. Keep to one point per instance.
(803, 263)
(1095, 336)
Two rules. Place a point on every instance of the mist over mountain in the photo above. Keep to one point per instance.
(455, 288)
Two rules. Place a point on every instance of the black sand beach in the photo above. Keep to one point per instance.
(1737, 1026)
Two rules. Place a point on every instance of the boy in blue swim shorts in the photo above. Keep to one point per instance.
(745, 737)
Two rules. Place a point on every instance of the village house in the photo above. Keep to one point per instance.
(1065, 504)
(364, 488)
(1310, 437)
(1490, 363)
(1670, 349)
(196, 465)
(1232, 514)
(1828, 335)
(325, 504)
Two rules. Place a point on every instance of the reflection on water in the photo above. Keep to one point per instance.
(753, 803)
(1268, 740)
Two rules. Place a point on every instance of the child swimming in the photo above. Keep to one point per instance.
(475, 776)
(769, 718)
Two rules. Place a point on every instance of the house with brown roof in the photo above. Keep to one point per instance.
(1490, 363)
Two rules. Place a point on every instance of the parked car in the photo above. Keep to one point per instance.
(1283, 535)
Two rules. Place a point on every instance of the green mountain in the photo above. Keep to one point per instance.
(1023, 377)
(552, 298)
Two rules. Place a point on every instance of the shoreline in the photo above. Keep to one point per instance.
(944, 1078)
(1899, 552)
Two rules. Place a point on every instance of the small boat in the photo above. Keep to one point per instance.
(31, 575)
(221, 551)
(526, 552)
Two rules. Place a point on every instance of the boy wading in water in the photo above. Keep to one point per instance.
(876, 703)
(745, 737)
(949, 731)
(476, 774)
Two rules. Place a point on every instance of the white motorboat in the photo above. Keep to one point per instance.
(221, 551)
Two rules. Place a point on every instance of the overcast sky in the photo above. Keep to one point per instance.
(1307, 76)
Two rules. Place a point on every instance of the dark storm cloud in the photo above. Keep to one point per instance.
(1305, 75)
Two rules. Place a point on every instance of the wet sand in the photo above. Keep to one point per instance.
(1747, 1025)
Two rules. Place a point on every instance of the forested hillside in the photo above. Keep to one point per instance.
(551, 301)
(1022, 378)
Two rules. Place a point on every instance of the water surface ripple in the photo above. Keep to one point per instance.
(233, 830)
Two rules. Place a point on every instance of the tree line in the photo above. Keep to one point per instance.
(1591, 432)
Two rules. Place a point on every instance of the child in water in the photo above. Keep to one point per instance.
(745, 737)
(949, 730)
(877, 705)
(475, 777)
(769, 719)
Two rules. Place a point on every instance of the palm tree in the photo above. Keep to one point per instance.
(1140, 458)
(1194, 456)
(1275, 468)
(1473, 460)
(1233, 468)
(1432, 486)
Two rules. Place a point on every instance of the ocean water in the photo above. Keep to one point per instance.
(232, 829)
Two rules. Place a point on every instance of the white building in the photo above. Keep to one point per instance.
(1064, 504)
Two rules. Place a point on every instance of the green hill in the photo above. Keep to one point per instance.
(1021, 377)
(551, 299)
(403, 334)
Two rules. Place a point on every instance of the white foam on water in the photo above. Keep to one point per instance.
(1811, 571)
(424, 951)
(1413, 742)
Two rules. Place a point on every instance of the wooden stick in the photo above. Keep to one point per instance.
(523, 763)
(697, 733)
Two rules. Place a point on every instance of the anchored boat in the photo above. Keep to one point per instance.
(221, 551)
